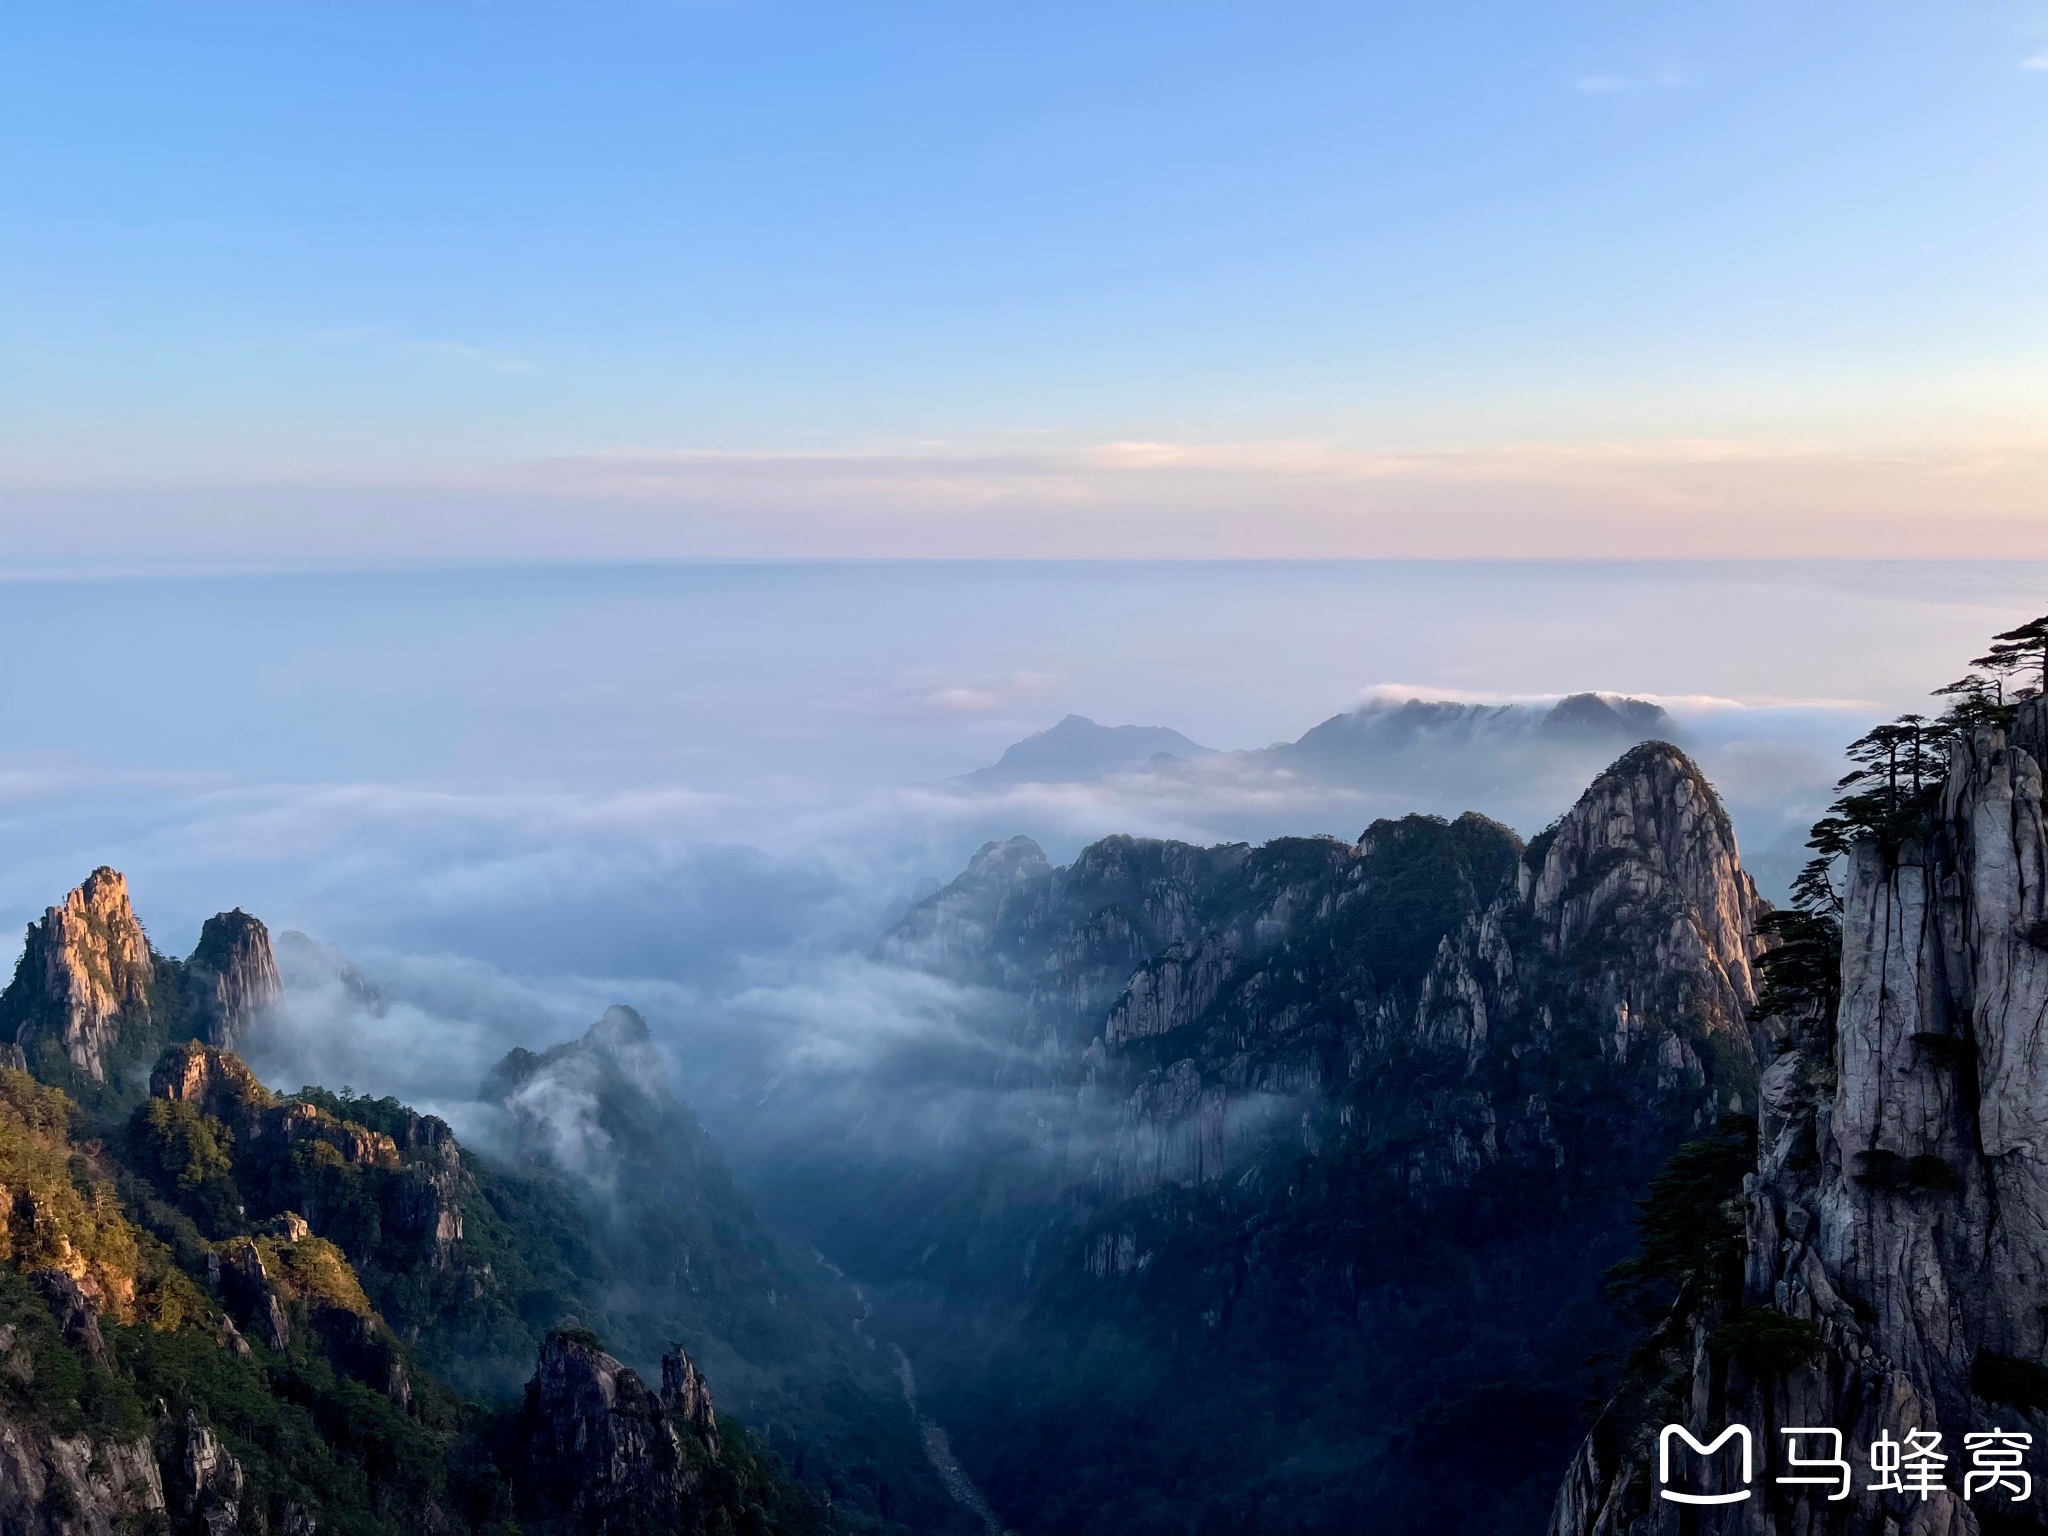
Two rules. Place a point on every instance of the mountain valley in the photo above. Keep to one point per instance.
(1304, 1186)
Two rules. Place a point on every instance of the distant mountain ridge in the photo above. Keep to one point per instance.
(1348, 742)
(1385, 742)
(1079, 749)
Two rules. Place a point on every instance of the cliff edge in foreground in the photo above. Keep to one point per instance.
(1894, 1254)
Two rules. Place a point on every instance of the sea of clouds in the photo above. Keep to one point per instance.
(515, 797)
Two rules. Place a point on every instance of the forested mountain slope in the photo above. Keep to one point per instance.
(227, 1309)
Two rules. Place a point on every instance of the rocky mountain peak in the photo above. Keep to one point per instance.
(950, 932)
(233, 977)
(997, 864)
(1896, 1221)
(621, 1036)
(1078, 749)
(214, 1081)
(1649, 839)
(610, 1455)
(85, 965)
(92, 1005)
(619, 1030)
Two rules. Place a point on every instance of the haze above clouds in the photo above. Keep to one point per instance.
(518, 795)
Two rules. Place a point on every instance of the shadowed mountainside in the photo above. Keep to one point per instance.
(1334, 1143)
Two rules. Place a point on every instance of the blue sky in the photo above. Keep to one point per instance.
(330, 283)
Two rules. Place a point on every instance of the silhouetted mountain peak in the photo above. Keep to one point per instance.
(1079, 749)
(620, 1028)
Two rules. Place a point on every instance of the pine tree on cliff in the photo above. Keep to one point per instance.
(2021, 649)
(1692, 1236)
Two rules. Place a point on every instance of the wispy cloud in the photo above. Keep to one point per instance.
(2036, 61)
(439, 349)
(1628, 84)
(961, 700)
(481, 357)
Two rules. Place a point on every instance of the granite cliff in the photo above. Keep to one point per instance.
(92, 1003)
(621, 1458)
(232, 978)
(1888, 1273)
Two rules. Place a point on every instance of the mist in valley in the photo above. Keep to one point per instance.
(515, 798)
(708, 875)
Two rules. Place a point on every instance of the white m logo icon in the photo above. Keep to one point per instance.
(1678, 1431)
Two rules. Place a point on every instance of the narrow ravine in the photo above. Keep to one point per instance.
(938, 1449)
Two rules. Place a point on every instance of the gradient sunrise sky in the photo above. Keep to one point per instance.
(332, 283)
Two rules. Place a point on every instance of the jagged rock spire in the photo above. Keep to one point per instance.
(85, 966)
(232, 976)
(1634, 917)
(606, 1455)
(91, 1003)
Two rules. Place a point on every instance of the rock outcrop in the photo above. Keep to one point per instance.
(1625, 932)
(687, 1397)
(213, 1481)
(606, 1455)
(87, 965)
(1898, 1215)
(1633, 926)
(416, 1169)
(92, 1005)
(245, 1282)
(958, 930)
(232, 978)
(1647, 858)
(587, 1105)
(75, 1485)
(1227, 989)
(1170, 992)
(215, 1082)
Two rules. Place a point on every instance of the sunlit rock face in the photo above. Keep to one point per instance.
(1900, 1203)
(92, 1004)
(1647, 858)
(85, 966)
